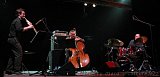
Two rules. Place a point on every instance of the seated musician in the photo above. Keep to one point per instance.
(136, 44)
(71, 43)
(137, 50)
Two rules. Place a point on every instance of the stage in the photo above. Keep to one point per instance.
(117, 20)
(90, 74)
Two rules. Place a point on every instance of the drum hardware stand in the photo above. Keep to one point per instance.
(134, 17)
(145, 64)
(108, 54)
(132, 68)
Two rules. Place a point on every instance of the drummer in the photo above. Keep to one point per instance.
(136, 44)
(137, 47)
(132, 42)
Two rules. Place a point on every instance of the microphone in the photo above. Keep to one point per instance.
(133, 17)
(40, 21)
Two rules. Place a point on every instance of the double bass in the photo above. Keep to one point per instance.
(79, 59)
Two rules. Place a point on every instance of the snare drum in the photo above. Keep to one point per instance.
(131, 52)
(122, 52)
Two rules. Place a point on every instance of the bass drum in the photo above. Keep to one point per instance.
(124, 63)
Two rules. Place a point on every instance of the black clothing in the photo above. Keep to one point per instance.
(15, 60)
(131, 43)
(15, 28)
(70, 43)
(136, 46)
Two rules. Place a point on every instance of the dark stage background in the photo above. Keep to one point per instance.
(95, 24)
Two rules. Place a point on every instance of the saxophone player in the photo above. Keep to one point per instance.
(15, 31)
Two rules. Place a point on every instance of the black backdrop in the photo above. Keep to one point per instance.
(95, 25)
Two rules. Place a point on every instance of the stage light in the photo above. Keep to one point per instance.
(94, 5)
(85, 4)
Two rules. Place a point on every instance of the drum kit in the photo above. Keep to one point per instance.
(125, 57)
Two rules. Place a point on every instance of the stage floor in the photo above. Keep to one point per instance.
(91, 74)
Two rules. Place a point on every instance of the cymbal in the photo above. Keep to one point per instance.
(115, 42)
(144, 38)
(120, 42)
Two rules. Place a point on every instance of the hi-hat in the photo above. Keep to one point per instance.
(144, 38)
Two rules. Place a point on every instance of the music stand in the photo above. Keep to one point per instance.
(39, 35)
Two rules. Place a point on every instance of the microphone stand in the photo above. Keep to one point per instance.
(49, 57)
(151, 36)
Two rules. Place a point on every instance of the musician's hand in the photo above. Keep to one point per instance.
(28, 27)
(31, 26)
(28, 22)
(77, 38)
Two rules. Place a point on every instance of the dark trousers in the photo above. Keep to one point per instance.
(15, 58)
(68, 53)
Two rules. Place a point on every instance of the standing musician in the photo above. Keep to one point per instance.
(18, 26)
